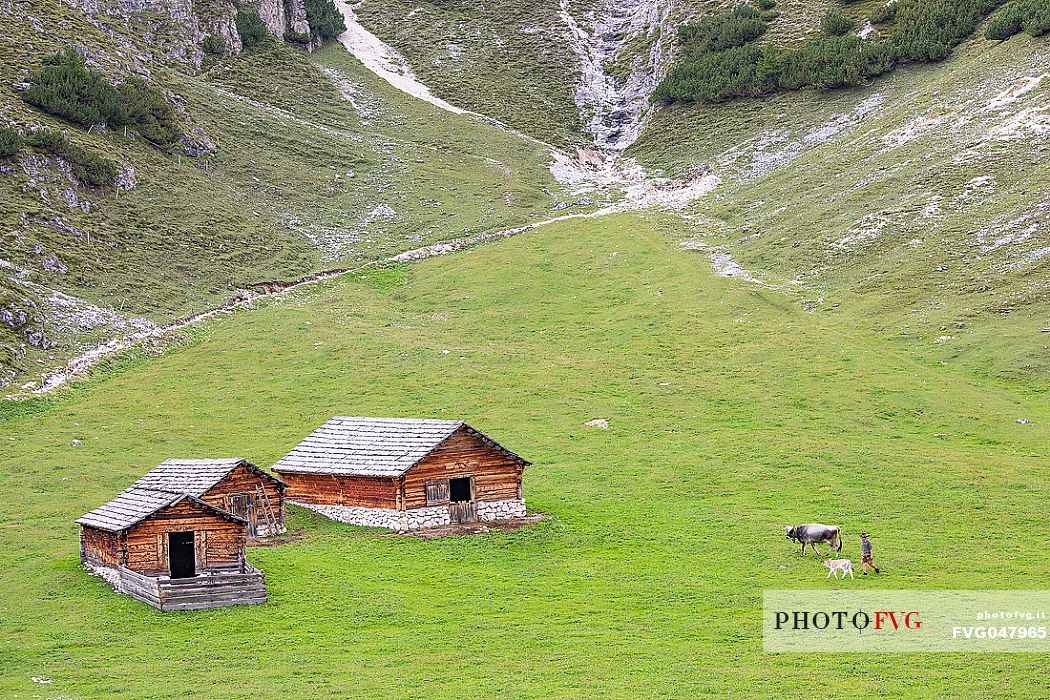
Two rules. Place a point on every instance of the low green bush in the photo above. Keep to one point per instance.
(833, 62)
(719, 60)
(298, 37)
(928, 30)
(10, 142)
(150, 113)
(250, 27)
(739, 26)
(66, 87)
(742, 71)
(1037, 22)
(324, 18)
(884, 14)
(1029, 16)
(88, 167)
(835, 23)
(213, 44)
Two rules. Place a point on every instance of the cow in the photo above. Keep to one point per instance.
(814, 534)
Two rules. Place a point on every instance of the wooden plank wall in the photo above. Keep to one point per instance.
(99, 546)
(337, 490)
(147, 542)
(244, 480)
(497, 475)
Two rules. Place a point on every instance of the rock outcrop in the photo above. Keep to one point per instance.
(282, 16)
(178, 27)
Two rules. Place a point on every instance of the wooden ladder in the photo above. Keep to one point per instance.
(271, 517)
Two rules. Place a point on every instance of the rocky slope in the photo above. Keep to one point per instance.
(916, 198)
(291, 164)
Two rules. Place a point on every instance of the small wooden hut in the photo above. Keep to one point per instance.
(404, 473)
(171, 539)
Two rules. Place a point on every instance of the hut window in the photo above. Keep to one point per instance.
(437, 492)
(459, 490)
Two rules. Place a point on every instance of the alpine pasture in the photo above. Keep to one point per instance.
(732, 412)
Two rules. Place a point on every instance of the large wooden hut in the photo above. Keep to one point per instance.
(171, 540)
(403, 473)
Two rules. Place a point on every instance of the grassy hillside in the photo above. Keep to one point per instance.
(317, 163)
(509, 60)
(918, 201)
(732, 413)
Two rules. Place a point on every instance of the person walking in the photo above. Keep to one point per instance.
(865, 554)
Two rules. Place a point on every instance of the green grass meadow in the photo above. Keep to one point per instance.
(732, 413)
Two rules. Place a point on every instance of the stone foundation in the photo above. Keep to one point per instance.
(109, 574)
(501, 510)
(416, 518)
(421, 518)
(263, 530)
(388, 518)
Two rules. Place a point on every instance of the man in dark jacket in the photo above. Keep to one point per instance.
(865, 554)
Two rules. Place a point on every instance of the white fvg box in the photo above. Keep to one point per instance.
(902, 621)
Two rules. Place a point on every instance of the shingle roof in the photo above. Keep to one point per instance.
(165, 485)
(192, 476)
(135, 504)
(380, 447)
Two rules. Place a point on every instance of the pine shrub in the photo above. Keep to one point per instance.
(214, 45)
(65, 87)
(740, 26)
(250, 27)
(10, 142)
(1029, 16)
(837, 24)
(324, 18)
(88, 167)
(150, 113)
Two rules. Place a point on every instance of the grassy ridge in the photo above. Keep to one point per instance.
(732, 413)
(916, 199)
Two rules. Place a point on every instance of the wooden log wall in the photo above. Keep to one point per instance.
(339, 490)
(219, 542)
(243, 480)
(100, 546)
(216, 591)
(497, 475)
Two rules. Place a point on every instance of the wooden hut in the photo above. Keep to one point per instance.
(404, 474)
(170, 539)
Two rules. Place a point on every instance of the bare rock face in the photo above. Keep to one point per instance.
(634, 33)
(178, 27)
(271, 12)
(281, 16)
(220, 21)
(295, 12)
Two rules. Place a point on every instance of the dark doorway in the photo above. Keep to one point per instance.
(461, 507)
(180, 555)
(459, 490)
